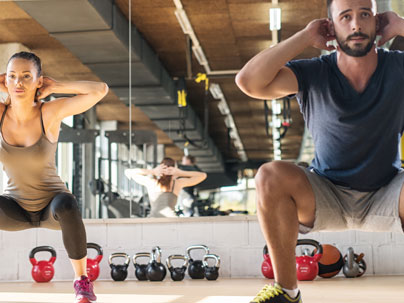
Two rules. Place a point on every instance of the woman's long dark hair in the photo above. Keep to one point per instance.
(30, 57)
(164, 181)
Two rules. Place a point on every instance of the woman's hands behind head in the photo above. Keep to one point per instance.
(3, 87)
(163, 169)
(46, 89)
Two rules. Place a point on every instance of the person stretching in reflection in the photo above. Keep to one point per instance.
(163, 184)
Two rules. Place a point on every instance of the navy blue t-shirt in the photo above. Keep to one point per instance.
(356, 135)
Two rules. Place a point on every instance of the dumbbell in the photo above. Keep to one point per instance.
(119, 272)
(140, 269)
(211, 272)
(42, 271)
(196, 269)
(177, 273)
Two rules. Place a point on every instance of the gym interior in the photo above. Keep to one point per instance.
(171, 66)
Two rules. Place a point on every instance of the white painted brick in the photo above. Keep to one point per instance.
(233, 234)
(20, 239)
(255, 236)
(160, 235)
(50, 237)
(9, 263)
(124, 236)
(397, 256)
(191, 233)
(338, 238)
(383, 260)
(246, 262)
(377, 238)
(24, 266)
(97, 233)
(63, 267)
(398, 238)
(315, 236)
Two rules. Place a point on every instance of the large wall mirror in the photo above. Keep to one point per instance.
(171, 68)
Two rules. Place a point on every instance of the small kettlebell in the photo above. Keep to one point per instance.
(140, 269)
(354, 265)
(211, 272)
(266, 266)
(307, 266)
(119, 272)
(196, 269)
(42, 271)
(155, 270)
(93, 267)
(177, 273)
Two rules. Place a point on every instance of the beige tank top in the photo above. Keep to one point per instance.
(33, 180)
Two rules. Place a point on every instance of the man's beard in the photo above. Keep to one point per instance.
(357, 52)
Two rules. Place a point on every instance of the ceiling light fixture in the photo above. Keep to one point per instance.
(275, 18)
(183, 21)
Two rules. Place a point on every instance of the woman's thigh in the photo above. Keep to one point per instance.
(12, 216)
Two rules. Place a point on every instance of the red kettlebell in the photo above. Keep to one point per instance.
(307, 266)
(93, 267)
(42, 271)
(266, 267)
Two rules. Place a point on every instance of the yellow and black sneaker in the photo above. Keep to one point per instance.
(275, 294)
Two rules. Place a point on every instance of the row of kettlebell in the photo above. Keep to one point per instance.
(154, 270)
(309, 264)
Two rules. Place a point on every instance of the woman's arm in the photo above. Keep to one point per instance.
(140, 175)
(186, 178)
(88, 93)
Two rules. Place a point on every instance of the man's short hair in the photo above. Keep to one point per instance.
(329, 2)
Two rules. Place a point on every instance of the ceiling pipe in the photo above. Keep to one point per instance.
(186, 27)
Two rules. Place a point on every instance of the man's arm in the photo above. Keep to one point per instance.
(389, 25)
(266, 77)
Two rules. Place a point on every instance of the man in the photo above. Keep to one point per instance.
(352, 102)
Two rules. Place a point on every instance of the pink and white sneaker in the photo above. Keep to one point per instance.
(84, 291)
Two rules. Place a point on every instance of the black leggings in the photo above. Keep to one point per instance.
(61, 213)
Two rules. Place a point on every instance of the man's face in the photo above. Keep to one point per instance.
(354, 23)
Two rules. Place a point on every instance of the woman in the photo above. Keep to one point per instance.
(164, 185)
(35, 195)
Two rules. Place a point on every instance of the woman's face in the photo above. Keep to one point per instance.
(22, 79)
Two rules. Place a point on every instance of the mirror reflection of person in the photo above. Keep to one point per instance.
(164, 184)
(186, 199)
(35, 196)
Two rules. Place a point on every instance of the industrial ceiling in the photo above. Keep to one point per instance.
(89, 40)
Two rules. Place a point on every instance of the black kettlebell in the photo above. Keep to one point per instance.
(196, 269)
(119, 272)
(155, 270)
(140, 269)
(211, 272)
(177, 273)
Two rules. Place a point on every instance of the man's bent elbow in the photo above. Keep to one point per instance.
(244, 84)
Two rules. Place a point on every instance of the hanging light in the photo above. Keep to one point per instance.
(275, 18)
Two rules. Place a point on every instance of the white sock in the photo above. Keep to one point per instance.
(291, 292)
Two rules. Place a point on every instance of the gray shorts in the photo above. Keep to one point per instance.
(341, 208)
